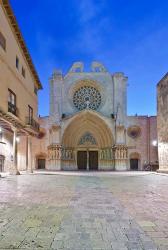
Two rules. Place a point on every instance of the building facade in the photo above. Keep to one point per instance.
(162, 123)
(88, 127)
(19, 84)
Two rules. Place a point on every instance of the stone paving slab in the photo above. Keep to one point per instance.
(107, 212)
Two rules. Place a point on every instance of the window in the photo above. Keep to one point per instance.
(17, 62)
(2, 41)
(23, 72)
(29, 119)
(30, 113)
(11, 97)
(35, 90)
(12, 102)
(134, 132)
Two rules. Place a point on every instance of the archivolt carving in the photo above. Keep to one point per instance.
(87, 121)
(134, 155)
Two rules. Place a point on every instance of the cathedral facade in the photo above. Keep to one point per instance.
(88, 127)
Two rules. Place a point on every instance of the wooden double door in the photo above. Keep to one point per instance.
(87, 160)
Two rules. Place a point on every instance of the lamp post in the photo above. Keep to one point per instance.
(1, 142)
(154, 143)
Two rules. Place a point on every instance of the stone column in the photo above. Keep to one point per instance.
(54, 156)
(14, 169)
(30, 167)
(56, 84)
(87, 160)
(121, 157)
(120, 97)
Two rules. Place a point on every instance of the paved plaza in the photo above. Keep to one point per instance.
(70, 210)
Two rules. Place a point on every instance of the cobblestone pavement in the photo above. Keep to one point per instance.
(84, 211)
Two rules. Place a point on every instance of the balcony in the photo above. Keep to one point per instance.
(12, 109)
(32, 123)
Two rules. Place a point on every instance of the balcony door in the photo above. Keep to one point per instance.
(30, 113)
(11, 102)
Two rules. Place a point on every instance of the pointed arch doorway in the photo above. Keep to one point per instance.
(87, 135)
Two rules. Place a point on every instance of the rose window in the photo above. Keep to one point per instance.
(134, 132)
(87, 97)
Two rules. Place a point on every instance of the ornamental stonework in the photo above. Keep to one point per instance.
(87, 138)
(87, 97)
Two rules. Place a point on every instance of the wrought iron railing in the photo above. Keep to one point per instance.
(12, 108)
(31, 122)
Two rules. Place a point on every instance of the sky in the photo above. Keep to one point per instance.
(129, 36)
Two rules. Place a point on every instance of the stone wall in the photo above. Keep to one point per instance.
(162, 122)
(143, 144)
(112, 88)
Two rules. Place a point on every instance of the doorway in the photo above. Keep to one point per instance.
(2, 159)
(87, 160)
(134, 164)
(41, 163)
(82, 160)
(93, 160)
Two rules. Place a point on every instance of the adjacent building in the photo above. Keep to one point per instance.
(19, 84)
(162, 123)
(88, 127)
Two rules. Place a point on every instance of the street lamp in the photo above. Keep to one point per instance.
(154, 143)
(17, 139)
